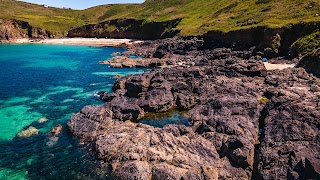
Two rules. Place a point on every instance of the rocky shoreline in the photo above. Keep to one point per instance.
(245, 122)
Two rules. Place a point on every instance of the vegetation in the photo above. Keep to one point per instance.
(198, 16)
(56, 20)
(311, 62)
(201, 16)
(276, 43)
(307, 44)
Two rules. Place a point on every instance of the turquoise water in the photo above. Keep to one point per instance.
(52, 82)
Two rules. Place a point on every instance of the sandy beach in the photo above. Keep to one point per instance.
(79, 41)
(270, 66)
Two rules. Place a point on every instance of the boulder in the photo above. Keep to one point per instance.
(157, 100)
(138, 84)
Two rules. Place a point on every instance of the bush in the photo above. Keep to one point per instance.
(276, 43)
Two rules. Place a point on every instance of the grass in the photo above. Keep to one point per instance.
(307, 44)
(56, 20)
(198, 16)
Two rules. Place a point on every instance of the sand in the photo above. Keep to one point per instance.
(270, 66)
(79, 41)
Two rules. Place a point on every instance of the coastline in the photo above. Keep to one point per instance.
(114, 43)
(236, 105)
(78, 41)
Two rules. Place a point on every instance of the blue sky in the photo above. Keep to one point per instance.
(80, 4)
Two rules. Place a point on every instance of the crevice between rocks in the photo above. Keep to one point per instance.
(261, 133)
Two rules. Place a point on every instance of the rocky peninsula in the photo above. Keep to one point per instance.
(245, 122)
(247, 118)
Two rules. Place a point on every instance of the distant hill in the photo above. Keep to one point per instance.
(56, 20)
(201, 16)
(197, 16)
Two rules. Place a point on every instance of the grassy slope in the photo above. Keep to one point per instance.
(56, 20)
(307, 44)
(198, 16)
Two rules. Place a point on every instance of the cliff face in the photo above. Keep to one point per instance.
(311, 62)
(277, 41)
(127, 28)
(11, 29)
(274, 41)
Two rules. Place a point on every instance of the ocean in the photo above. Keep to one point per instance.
(49, 82)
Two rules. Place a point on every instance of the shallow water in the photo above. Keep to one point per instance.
(161, 119)
(51, 81)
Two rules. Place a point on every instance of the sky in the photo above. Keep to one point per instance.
(80, 4)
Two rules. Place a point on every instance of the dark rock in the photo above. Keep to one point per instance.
(290, 146)
(107, 97)
(138, 84)
(157, 100)
(177, 46)
(245, 122)
(88, 121)
(124, 109)
(127, 28)
(311, 62)
(185, 102)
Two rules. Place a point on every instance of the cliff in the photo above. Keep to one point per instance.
(278, 41)
(11, 29)
(127, 28)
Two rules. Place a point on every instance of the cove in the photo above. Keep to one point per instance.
(51, 81)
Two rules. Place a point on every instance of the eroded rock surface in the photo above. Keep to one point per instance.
(290, 144)
(12, 29)
(245, 122)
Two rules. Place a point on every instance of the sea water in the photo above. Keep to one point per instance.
(52, 82)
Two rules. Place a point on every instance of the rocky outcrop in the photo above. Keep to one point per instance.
(171, 52)
(11, 29)
(263, 38)
(311, 62)
(127, 28)
(244, 122)
(290, 132)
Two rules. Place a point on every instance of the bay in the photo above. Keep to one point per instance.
(49, 81)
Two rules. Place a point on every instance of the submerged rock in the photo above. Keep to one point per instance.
(52, 141)
(42, 120)
(28, 132)
(56, 130)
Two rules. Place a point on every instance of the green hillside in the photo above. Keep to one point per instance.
(198, 16)
(57, 20)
